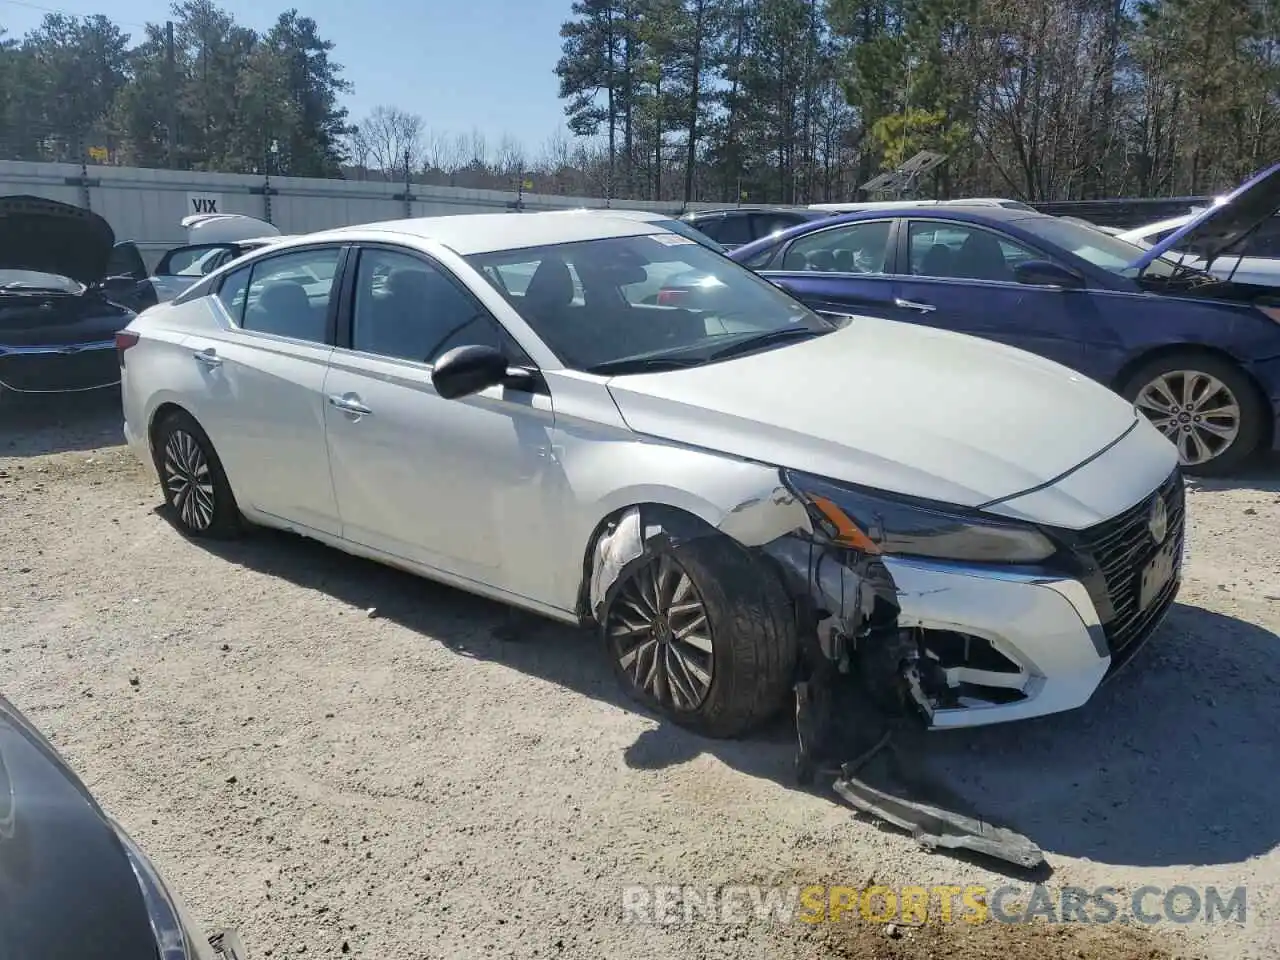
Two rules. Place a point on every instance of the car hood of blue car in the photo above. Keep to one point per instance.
(904, 408)
(1223, 224)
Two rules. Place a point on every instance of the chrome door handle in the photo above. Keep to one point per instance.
(349, 405)
(208, 358)
(912, 305)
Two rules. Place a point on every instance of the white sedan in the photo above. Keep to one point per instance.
(736, 492)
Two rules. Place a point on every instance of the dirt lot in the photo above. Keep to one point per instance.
(403, 784)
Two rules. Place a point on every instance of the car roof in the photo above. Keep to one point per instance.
(943, 212)
(470, 233)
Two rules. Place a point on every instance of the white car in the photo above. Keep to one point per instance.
(1255, 261)
(736, 496)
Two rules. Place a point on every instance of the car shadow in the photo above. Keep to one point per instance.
(1170, 763)
(33, 425)
(1263, 474)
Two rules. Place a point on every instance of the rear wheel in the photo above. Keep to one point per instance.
(1205, 405)
(195, 486)
(704, 634)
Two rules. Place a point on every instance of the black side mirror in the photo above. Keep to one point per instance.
(1044, 273)
(467, 370)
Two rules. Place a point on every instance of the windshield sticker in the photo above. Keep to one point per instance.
(671, 239)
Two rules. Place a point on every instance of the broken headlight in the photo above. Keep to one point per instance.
(875, 522)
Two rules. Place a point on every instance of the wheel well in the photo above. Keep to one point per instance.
(1184, 349)
(158, 417)
(674, 519)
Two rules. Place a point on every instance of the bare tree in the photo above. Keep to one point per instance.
(510, 159)
(440, 152)
(392, 135)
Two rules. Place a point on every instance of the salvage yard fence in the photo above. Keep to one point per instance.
(147, 206)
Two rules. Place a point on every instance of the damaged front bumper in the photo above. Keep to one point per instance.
(1010, 646)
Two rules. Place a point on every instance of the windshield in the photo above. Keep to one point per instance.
(1101, 249)
(33, 280)
(623, 304)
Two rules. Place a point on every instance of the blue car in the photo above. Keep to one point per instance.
(1198, 354)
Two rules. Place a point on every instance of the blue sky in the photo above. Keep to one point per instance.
(485, 63)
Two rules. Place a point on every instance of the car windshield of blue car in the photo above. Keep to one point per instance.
(1101, 249)
(19, 281)
(644, 303)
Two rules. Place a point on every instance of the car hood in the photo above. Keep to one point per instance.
(1215, 229)
(890, 405)
(66, 885)
(51, 237)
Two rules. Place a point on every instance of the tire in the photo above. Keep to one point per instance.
(1216, 383)
(749, 627)
(182, 450)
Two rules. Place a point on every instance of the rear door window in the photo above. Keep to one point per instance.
(288, 294)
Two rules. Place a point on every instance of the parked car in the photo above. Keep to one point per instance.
(58, 308)
(730, 493)
(212, 240)
(73, 883)
(734, 226)
(1198, 355)
(1256, 260)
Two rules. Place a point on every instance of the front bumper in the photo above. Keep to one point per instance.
(59, 368)
(1017, 644)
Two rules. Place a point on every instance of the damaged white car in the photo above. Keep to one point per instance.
(741, 495)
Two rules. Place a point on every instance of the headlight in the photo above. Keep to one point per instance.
(876, 523)
(176, 938)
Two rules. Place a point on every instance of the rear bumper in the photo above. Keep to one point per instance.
(59, 368)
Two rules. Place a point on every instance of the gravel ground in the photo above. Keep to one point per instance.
(403, 784)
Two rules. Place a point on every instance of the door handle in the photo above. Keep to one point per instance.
(207, 357)
(912, 305)
(349, 405)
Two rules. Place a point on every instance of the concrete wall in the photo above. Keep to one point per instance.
(147, 206)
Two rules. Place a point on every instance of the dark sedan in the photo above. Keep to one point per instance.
(58, 308)
(73, 885)
(1199, 355)
(734, 226)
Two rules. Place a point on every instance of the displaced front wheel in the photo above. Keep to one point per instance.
(704, 634)
(195, 486)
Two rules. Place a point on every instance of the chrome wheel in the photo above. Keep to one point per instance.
(1195, 410)
(188, 480)
(661, 635)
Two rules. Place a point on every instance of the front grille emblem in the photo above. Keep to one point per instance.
(1158, 520)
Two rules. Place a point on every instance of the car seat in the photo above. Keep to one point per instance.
(980, 258)
(283, 308)
(937, 262)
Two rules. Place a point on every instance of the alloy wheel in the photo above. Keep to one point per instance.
(661, 635)
(189, 480)
(1195, 410)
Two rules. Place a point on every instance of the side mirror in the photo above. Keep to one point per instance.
(467, 370)
(1044, 273)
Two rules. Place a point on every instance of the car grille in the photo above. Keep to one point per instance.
(1114, 554)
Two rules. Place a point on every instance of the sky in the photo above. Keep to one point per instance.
(484, 64)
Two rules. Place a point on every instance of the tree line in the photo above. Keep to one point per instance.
(789, 101)
(804, 100)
